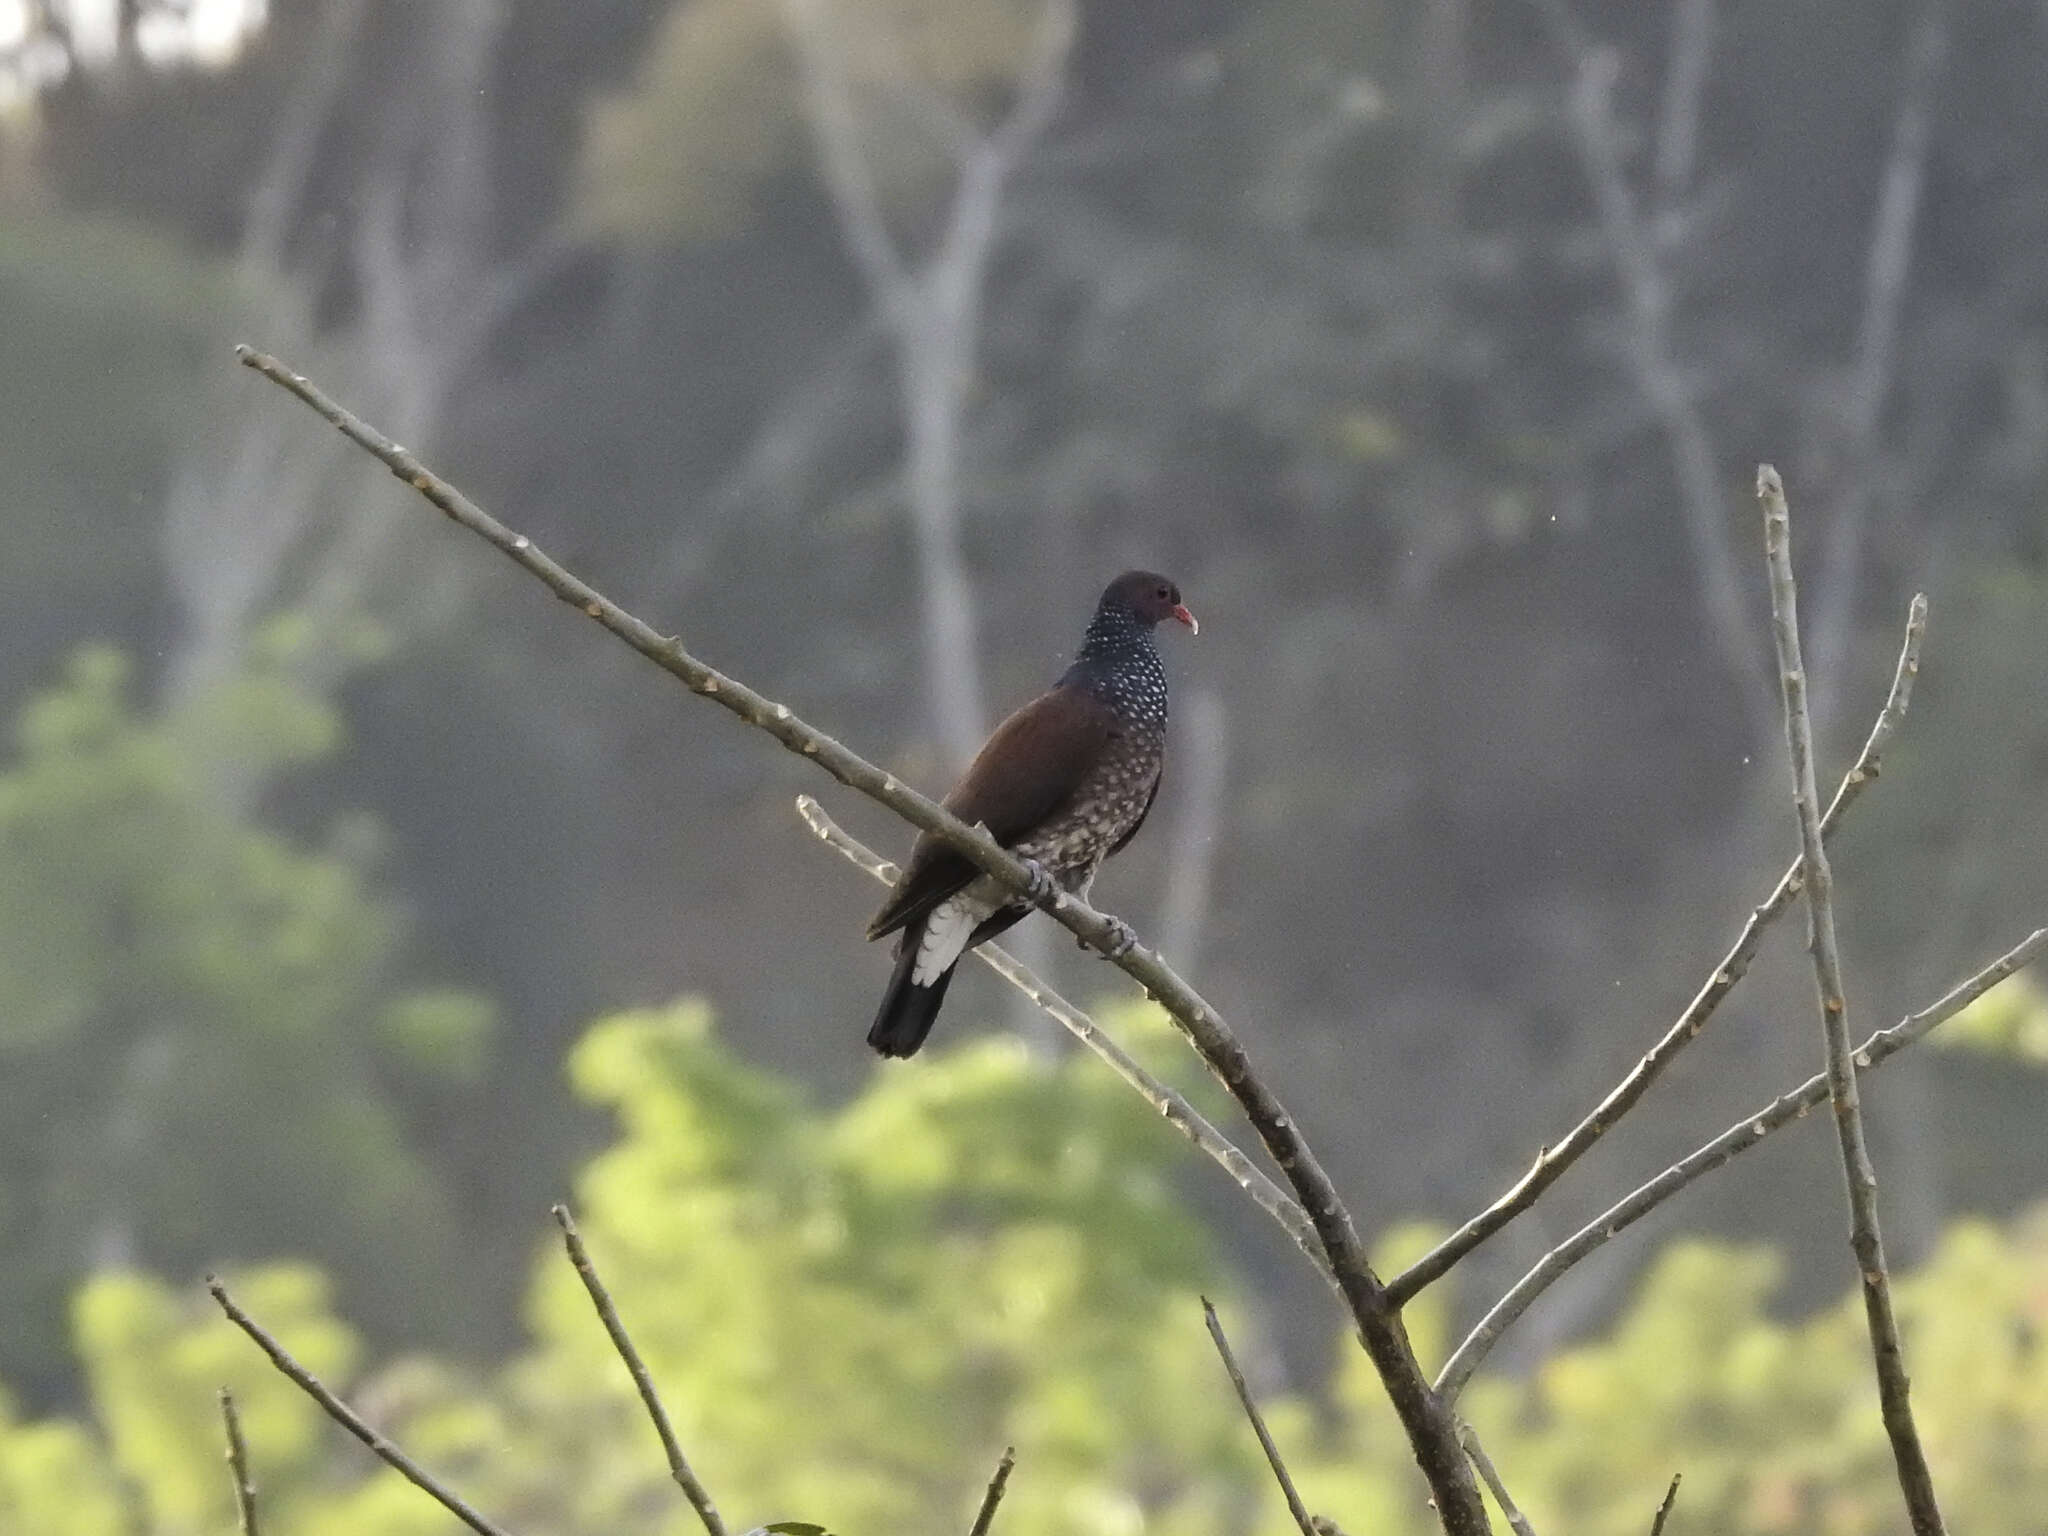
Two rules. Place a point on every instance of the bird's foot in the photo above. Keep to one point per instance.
(1038, 887)
(1123, 938)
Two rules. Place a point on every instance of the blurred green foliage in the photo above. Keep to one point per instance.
(2010, 1021)
(852, 1311)
(204, 1028)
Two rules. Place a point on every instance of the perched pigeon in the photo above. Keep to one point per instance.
(1064, 782)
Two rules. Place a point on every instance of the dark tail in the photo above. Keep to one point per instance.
(907, 1010)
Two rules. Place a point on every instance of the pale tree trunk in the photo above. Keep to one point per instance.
(930, 309)
(251, 528)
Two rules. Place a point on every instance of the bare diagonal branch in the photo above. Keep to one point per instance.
(1747, 1132)
(348, 1418)
(1171, 1107)
(1425, 1419)
(238, 1464)
(1295, 1507)
(1490, 1475)
(643, 1380)
(1551, 1163)
(1865, 1238)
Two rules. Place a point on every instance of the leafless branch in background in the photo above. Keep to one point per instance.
(1425, 1418)
(238, 1464)
(1685, 91)
(1647, 291)
(1201, 764)
(347, 1417)
(1864, 1235)
(1295, 1507)
(1171, 1107)
(643, 1380)
(1748, 1132)
(1551, 1163)
(989, 1500)
(1887, 266)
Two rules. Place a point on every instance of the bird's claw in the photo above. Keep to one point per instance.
(1038, 885)
(1123, 938)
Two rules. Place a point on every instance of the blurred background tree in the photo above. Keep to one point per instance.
(852, 1311)
(1310, 302)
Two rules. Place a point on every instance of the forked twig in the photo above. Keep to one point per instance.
(1295, 1507)
(1747, 1132)
(643, 1381)
(1551, 1163)
(1865, 1238)
(348, 1418)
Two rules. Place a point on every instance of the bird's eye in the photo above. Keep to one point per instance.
(1165, 592)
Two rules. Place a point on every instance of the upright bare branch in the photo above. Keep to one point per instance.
(238, 1464)
(1551, 1162)
(1664, 1509)
(997, 1482)
(1864, 1237)
(348, 1418)
(1425, 1419)
(1295, 1507)
(1750, 1131)
(643, 1380)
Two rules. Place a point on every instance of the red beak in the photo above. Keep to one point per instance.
(1181, 613)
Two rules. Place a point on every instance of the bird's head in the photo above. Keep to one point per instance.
(1147, 596)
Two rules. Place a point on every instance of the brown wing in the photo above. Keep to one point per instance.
(1028, 768)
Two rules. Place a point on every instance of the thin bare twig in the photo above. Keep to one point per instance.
(643, 1381)
(1172, 1107)
(1295, 1507)
(1551, 1163)
(989, 1500)
(1915, 1481)
(1664, 1509)
(1747, 1132)
(238, 1464)
(1490, 1475)
(348, 1418)
(1424, 1418)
